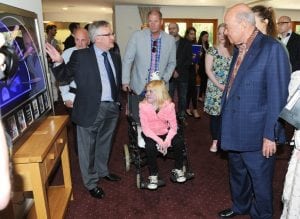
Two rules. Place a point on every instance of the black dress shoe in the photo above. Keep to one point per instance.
(97, 192)
(112, 177)
(227, 213)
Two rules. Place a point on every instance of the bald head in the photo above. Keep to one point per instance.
(284, 25)
(82, 39)
(240, 23)
(174, 29)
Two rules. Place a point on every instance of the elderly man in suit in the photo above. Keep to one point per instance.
(253, 98)
(291, 40)
(97, 74)
(149, 50)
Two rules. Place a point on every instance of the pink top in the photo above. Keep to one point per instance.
(154, 124)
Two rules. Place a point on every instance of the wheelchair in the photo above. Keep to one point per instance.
(134, 153)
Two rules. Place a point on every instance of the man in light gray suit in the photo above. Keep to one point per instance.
(149, 50)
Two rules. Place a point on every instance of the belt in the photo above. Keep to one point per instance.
(72, 90)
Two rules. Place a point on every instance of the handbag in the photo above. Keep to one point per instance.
(291, 111)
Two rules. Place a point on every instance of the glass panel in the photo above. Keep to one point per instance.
(182, 28)
(298, 29)
(209, 27)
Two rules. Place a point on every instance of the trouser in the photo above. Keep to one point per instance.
(181, 88)
(251, 176)
(192, 91)
(215, 123)
(152, 152)
(94, 144)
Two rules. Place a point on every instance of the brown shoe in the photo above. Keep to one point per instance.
(188, 112)
(196, 114)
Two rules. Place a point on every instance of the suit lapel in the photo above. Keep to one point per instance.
(117, 68)
(163, 50)
(147, 44)
(248, 60)
(94, 63)
(290, 42)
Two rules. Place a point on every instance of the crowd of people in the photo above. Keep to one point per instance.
(244, 81)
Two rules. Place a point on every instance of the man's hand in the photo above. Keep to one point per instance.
(53, 53)
(126, 87)
(69, 103)
(269, 148)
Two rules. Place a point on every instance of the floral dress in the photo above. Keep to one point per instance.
(221, 64)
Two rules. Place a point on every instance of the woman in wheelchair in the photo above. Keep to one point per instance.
(159, 130)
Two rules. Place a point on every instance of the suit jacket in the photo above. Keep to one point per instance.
(183, 59)
(137, 58)
(69, 42)
(258, 94)
(83, 68)
(293, 47)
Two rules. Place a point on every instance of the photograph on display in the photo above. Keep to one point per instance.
(41, 104)
(35, 108)
(28, 114)
(46, 100)
(12, 127)
(21, 120)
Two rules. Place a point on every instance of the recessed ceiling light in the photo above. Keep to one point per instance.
(65, 8)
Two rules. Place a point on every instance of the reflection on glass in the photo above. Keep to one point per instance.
(298, 29)
(209, 27)
(182, 27)
(21, 38)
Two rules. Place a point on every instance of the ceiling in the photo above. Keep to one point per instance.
(89, 10)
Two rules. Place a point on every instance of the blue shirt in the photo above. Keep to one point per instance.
(106, 91)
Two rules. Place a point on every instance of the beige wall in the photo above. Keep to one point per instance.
(127, 18)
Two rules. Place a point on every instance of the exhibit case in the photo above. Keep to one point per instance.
(24, 96)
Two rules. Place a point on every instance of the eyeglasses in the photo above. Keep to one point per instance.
(154, 46)
(283, 22)
(107, 34)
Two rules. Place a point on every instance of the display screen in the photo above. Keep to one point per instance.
(23, 96)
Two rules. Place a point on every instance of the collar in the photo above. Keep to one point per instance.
(288, 34)
(159, 37)
(246, 46)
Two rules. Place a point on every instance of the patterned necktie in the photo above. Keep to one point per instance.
(111, 77)
(243, 48)
(242, 52)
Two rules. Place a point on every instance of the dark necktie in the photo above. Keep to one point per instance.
(111, 77)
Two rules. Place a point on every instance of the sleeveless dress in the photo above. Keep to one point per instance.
(221, 64)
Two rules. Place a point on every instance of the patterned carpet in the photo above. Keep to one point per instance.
(202, 197)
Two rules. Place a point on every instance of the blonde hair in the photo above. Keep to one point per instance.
(160, 90)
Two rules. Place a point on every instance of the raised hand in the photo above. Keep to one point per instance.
(53, 53)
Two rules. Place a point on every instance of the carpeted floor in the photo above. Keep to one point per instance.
(202, 197)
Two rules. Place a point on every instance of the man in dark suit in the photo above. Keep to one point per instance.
(291, 40)
(97, 74)
(180, 77)
(253, 98)
(70, 40)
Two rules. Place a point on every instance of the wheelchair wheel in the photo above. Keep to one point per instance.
(127, 158)
(138, 180)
